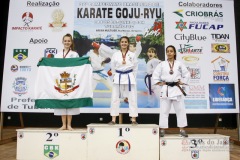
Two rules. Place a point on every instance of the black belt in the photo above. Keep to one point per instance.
(148, 77)
(171, 84)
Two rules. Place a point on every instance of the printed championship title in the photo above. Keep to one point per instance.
(128, 10)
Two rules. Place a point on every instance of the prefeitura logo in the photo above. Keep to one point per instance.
(51, 151)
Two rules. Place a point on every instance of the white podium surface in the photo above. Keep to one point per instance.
(123, 142)
(46, 144)
(196, 146)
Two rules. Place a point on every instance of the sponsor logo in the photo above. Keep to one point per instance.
(220, 37)
(198, 25)
(25, 68)
(220, 72)
(220, 48)
(20, 86)
(14, 68)
(195, 154)
(66, 84)
(222, 96)
(20, 54)
(50, 52)
(188, 49)
(204, 26)
(199, 5)
(181, 25)
(190, 37)
(195, 72)
(179, 13)
(38, 41)
(27, 19)
(57, 23)
(43, 4)
(190, 59)
(204, 14)
(51, 151)
(123, 147)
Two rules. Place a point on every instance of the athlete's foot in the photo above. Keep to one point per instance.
(69, 128)
(62, 128)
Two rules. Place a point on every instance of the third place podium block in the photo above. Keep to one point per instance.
(123, 142)
(196, 146)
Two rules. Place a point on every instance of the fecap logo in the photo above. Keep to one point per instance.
(20, 54)
(51, 151)
(123, 147)
(66, 83)
(27, 18)
(181, 25)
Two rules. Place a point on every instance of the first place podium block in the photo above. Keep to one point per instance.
(123, 142)
(196, 146)
(46, 144)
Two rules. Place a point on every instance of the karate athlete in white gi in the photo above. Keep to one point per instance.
(67, 112)
(153, 90)
(170, 75)
(99, 74)
(107, 52)
(124, 65)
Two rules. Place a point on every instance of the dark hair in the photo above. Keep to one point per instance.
(127, 40)
(174, 49)
(69, 35)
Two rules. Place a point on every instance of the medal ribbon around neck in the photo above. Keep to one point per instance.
(64, 56)
(171, 67)
(124, 57)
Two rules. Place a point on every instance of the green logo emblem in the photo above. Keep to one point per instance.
(20, 54)
(51, 151)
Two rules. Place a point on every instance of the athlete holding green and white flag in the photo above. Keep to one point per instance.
(64, 83)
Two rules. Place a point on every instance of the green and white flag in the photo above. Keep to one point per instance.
(64, 83)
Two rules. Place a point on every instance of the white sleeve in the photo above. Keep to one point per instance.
(138, 49)
(113, 64)
(106, 51)
(156, 76)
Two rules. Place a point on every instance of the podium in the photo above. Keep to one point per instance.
(45, 144)
(123, 142)
(196, 146)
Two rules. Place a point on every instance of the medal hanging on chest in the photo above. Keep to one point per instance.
(64, 56)
(124, 57)
(171, 67)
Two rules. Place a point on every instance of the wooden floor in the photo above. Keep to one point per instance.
(8, 144)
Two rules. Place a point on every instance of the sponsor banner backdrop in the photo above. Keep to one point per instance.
(202, 32)
(204, 36)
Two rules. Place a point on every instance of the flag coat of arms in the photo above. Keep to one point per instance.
(64, 83)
